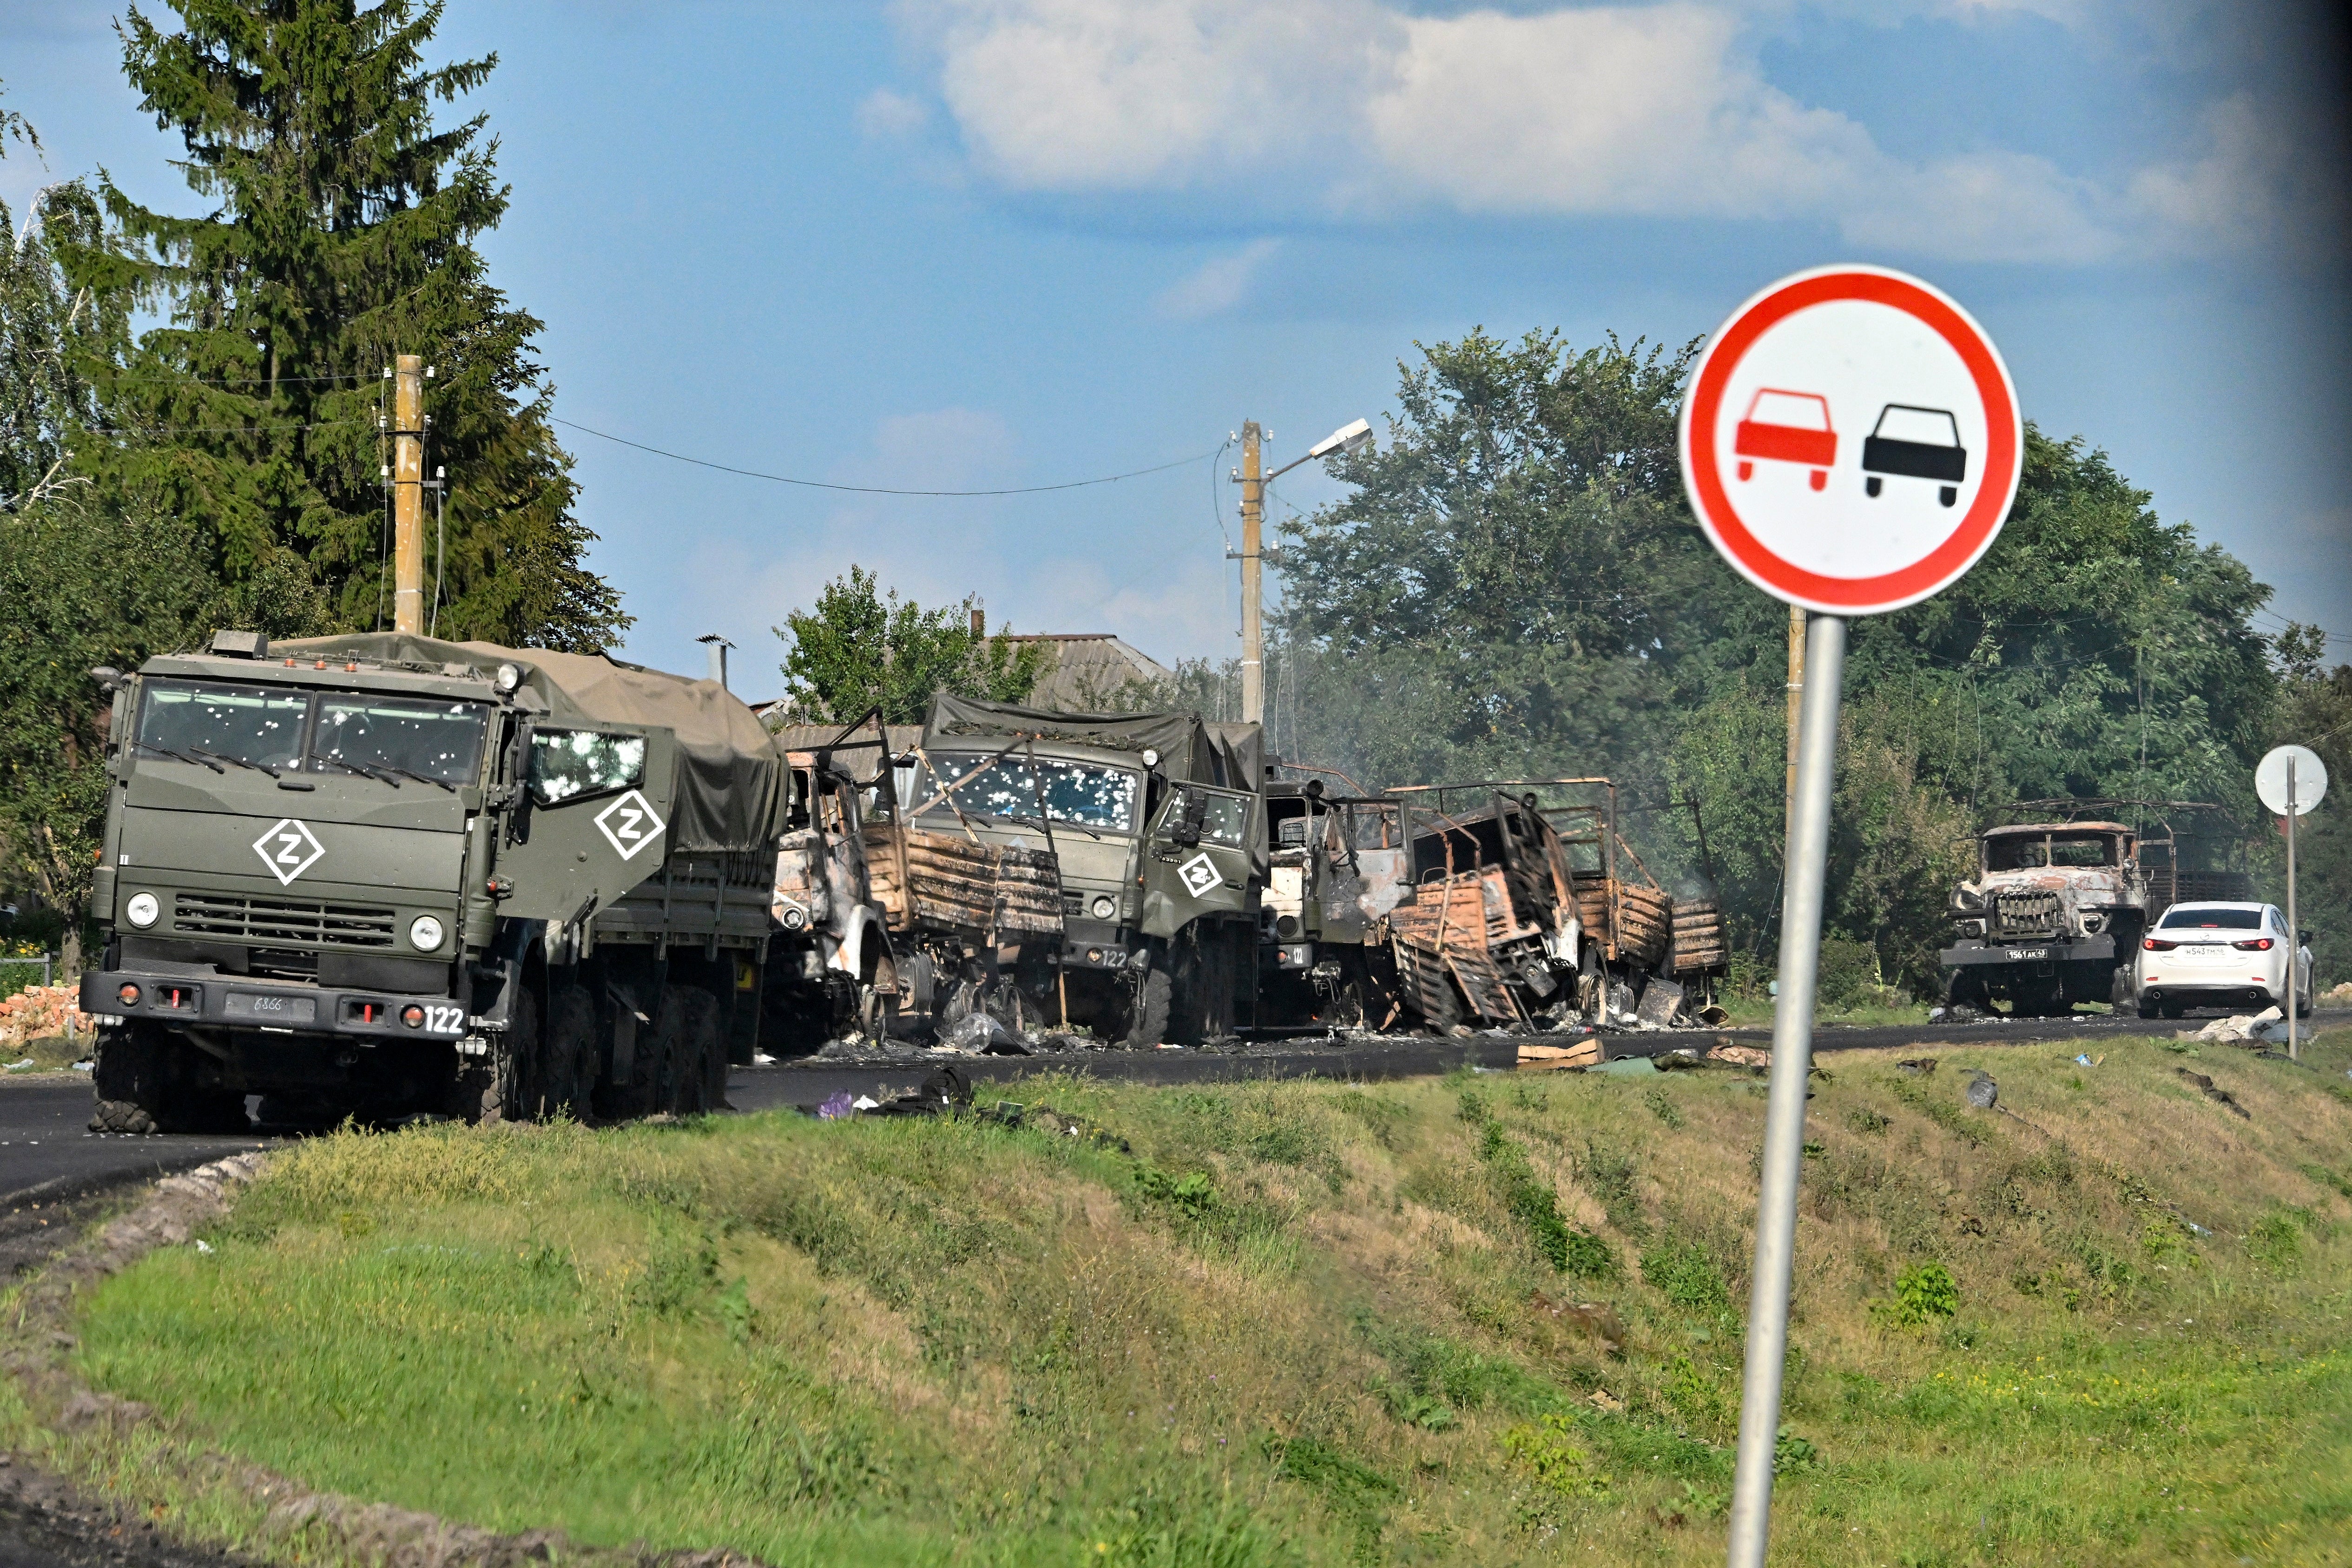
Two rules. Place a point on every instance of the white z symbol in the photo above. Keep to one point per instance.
(289, 848)
(629, 824)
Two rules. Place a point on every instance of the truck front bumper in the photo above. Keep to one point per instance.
(234, 1002)
(2099, 949)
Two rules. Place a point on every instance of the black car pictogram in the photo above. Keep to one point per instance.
(1916, 443)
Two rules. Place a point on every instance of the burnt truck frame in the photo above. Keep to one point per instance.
(1152, 829)
(510, 929)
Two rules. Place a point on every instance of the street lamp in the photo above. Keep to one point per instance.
(1347, 439)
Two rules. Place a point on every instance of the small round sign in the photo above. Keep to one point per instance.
(2310, 779)
(1850, 440)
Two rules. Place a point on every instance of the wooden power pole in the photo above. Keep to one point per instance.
(1253, 536)
(1796, 700)
(408, 493)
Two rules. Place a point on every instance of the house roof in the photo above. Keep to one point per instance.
(1094, 672)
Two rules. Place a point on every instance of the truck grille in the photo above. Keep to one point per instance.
(1073, 905)
(282, 921)
(2025, 914)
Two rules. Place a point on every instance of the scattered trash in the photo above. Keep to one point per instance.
(1742, 1056)
(1627, 1066)
(762, 1059)
(1604, 1400)
(836, 1106)
(1681, 1059)
(1982, 1092)
(1713, 1016)
(1534, 1057)
(980, 1034)
(863, 1102)
(1917, 1067)
(2218, 1096)
(2265, 1026)
(1935, 1015)
(1959, 1013)
(1619, 1007)
(203, 1245)
(16, 1066)
(84, 1065)
(2087, 1060)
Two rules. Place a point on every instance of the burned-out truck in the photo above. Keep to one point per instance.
(383, 874)
(2049, 919)
(1091, 870)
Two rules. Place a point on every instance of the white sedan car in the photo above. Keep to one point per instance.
(2219, 955)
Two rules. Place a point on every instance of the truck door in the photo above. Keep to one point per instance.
(1196, 857)
(590, 819)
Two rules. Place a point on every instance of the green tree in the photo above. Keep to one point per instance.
(343, 232)
(860, 649)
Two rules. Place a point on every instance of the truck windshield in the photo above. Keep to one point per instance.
(1101, 798)
(426, 737)
(351, 734)
(261, 724)
(2024, 854)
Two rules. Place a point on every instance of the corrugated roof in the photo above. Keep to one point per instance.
(1095, 672)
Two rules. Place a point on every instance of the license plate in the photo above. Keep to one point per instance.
(273, 1007)
(2018, 955)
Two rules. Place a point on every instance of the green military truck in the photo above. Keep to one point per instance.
(386, 875)
(1153, 827)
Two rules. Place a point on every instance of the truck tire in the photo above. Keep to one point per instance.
(572, 1054)
(695, 1051)
(505, 1087)
(1147, 1012)
(146, 1081)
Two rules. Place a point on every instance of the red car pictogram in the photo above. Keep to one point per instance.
(1787, 427)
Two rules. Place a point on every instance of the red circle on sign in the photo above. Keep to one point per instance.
(1968, 538)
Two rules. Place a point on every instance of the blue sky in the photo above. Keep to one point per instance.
(969, 244)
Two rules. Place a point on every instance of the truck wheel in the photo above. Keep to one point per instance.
(694, 1049)
(1147, 1013)
(144, 1081)
(505, 1092)
(572, 1054)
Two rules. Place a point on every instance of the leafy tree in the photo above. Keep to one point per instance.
(1516, 588)
(860, 649)
(343, 232)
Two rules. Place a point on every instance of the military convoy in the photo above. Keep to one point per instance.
(389, 876)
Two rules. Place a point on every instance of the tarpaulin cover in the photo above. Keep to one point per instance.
(730, 778)
(1230, 756)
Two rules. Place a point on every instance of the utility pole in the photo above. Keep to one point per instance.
(1253, 617)
(408, 493)
(1796, 703)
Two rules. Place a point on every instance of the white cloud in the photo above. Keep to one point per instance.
(944, 450)
(884, 115)
(1219, 284)
(1359, 108)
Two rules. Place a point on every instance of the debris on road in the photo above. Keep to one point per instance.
(1982, 1092)
(1742, 1056)
(1536, 1057)
(2245, 1028)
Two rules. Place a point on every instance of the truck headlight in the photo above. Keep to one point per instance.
(142, 910)
(1104, 906)
(424, 933)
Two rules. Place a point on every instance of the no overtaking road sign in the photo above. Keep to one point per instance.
(1852, 441)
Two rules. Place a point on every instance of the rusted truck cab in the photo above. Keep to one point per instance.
(2050, 917)
(1337, 866)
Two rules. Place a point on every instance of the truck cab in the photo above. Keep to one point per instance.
(2049, 918)
(383, 875)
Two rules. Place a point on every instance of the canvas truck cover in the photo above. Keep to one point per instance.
(1229, 755)
(731, 782)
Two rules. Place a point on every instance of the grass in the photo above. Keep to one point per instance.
(1296, 1324)
(50, 1053)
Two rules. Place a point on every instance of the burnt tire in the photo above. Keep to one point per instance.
(1146, 1009)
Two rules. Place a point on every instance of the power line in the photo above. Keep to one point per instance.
(873, 489)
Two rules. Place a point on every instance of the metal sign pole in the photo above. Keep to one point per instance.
(2293, 936)
(1784, 1124)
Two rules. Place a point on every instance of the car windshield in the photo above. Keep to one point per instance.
(1091, 796)
(345, 733)
(2213, 920)
(260, 724)
(428, 737)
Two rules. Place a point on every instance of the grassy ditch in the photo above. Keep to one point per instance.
(1485, 1320)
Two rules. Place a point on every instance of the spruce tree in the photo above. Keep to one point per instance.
(342, 232)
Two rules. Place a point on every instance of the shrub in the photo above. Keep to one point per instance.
(1923, 1293)
(1560, 1466)
(1685, 1276)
